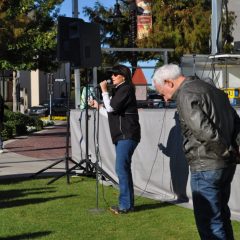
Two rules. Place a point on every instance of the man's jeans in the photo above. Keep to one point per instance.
(124, 152)
(211, 192)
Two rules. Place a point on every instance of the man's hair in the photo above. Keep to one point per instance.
(168, 71)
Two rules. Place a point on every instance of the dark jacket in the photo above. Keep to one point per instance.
(209, 125)
(124, 121)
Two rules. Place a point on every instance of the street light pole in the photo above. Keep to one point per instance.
(133, 34)
(133, 27)
(50, 91)
(75, 8)
(77, 81)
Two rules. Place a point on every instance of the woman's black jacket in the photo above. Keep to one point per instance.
(124, 120)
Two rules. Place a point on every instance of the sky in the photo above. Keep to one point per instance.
(66, 7)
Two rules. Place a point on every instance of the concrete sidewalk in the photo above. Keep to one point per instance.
(26, 155)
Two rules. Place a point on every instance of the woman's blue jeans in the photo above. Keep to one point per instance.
(211, 192)
(124, 152)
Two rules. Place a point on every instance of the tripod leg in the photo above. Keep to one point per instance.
(105, 174)
(44, 169)
(61, 175)
(69, 171)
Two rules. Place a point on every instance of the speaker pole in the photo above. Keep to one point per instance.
(77, 81)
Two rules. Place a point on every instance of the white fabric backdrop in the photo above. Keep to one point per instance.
(158, 174)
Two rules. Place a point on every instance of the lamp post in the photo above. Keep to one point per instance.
(50, 91)
(77, 79)
(133, 26)
(133, 32)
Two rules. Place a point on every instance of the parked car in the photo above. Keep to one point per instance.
(155, 101)
(59, 106)
(170, 104)
(40, 111)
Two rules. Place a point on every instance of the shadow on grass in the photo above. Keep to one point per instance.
(145, 207)
(23, 202)
(27, 236)
(16, 193)
(19, 178)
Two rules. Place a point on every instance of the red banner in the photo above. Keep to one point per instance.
(144, 26)
(144, 18)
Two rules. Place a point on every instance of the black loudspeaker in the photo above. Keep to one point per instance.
(78, 42)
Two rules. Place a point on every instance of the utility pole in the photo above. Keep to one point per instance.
(216, 29)
(50, 91)
(133, 34)
(77, 81)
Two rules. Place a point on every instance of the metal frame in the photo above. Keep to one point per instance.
(160, 50)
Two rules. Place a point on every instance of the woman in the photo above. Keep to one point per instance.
(125, 131)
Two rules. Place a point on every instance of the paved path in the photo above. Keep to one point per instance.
(24, 156)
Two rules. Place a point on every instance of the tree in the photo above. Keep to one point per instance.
(28, 36)
(228, 21)
(179, 24)
(182, 25)
(114, 32)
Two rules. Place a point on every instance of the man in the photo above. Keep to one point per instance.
(210, 128)
(1, 122)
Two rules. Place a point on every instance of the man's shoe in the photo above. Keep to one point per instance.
(117, 211)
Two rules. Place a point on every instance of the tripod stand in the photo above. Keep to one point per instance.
(89, 168)
(67, 157)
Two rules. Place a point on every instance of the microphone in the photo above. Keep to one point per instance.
(109, 83)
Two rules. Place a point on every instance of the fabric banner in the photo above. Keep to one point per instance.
(159, 167)
(144, 18)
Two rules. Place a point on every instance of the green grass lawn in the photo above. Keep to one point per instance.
(31, 209)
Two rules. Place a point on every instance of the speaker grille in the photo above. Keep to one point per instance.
(78, 42)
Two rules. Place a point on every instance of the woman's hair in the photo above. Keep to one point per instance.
(124, 71)
(168, 71)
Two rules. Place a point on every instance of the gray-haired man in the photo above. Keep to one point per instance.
(210, 127)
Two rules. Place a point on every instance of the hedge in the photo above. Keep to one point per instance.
(16, 123)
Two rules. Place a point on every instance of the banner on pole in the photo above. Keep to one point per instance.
(144, 18)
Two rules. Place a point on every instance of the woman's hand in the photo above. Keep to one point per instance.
(103, 86)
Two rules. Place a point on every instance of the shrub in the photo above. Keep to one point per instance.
(20, 123)
(7, 132)
(38, 124)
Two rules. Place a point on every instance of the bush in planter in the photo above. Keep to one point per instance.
(38, 124)
(7, 132)
(19, 122)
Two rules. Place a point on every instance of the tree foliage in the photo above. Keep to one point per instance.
(114, 32)
(28, 34)
(182, 25)
(179, 24)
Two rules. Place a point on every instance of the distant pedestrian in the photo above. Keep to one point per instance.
(210, 128)
(1, 122)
